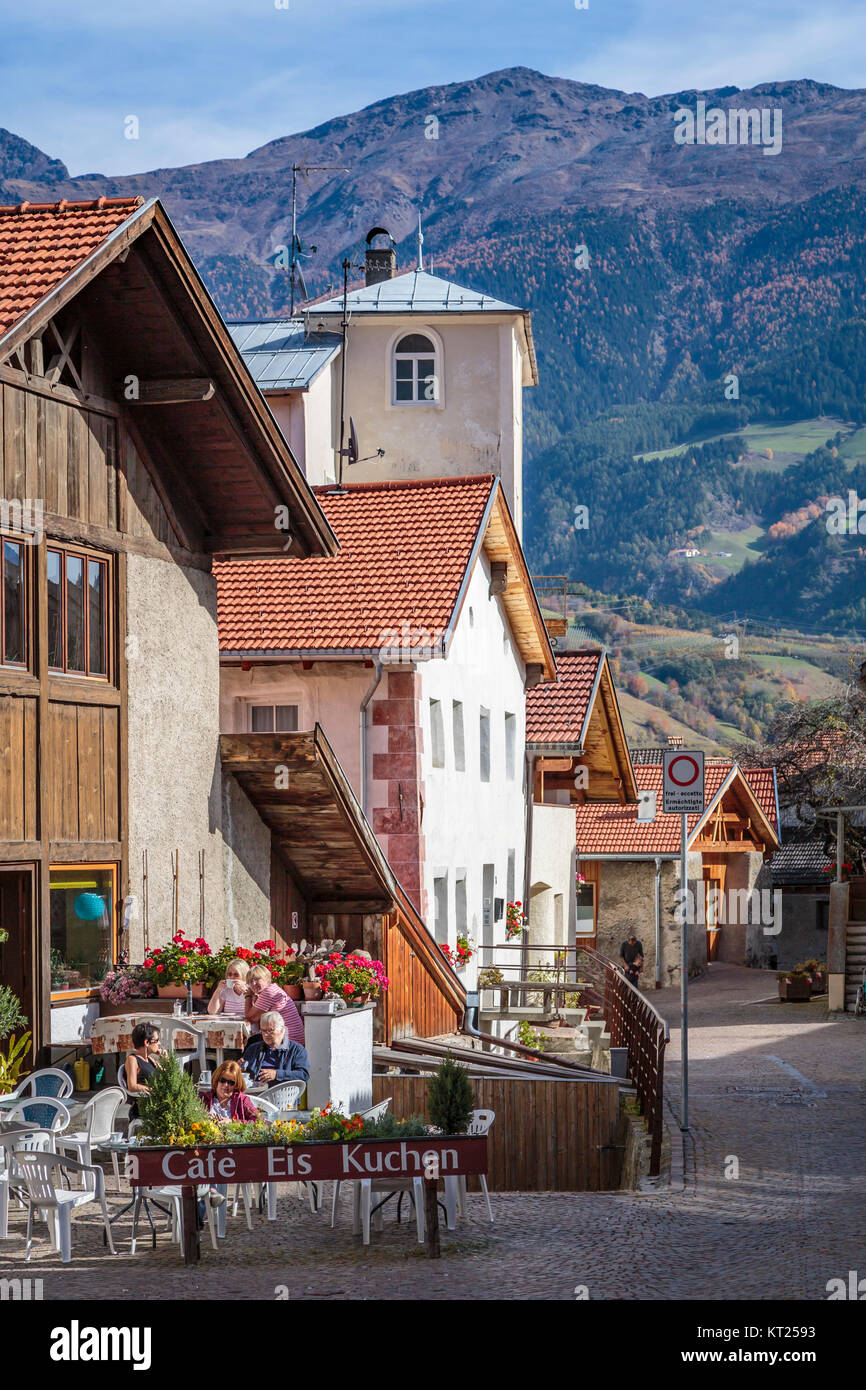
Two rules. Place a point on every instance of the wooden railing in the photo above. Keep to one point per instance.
(635, 1024)
(595, 983)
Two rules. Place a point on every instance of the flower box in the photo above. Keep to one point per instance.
(323, 1006)
(179, 991)
(795, 987)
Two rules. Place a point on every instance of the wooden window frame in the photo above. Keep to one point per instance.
(62, 996)
(26, 547)
(85, 555)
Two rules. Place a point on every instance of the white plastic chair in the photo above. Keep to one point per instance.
(168, 1028)
(479, 1124)
(42, 1112)
(37, 1171)
(284, 1096)
(20, 1141)
(96, 1119)
(374, 1113)
(50, 1081)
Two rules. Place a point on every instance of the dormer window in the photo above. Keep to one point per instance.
(416, 371)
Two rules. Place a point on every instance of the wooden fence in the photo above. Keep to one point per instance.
(548, 1136)
(633, 1023)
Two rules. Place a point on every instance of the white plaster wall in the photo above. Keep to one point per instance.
(554, 835)
(329, 694)
(340, 1048)
(176, 796)
(307, 419)
(471, 431)
(469, 823)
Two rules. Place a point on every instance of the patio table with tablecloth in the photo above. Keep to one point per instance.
(114, 1034)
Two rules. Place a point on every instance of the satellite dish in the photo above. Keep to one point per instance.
(352, 452)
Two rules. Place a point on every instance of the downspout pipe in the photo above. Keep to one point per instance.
(658, 922)
(527, 850)
(377, 676)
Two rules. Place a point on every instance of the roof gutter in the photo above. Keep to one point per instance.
(374, 685)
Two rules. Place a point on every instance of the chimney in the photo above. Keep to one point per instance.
(646, 807)
(380, 261)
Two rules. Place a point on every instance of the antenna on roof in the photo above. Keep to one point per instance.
(420, 242)
(295, 272)
(348, 450)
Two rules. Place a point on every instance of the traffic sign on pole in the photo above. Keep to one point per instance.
(683, 785)
(683, 795)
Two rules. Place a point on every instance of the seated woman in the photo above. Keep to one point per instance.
(227, 1101)
(273, 1057)
(265, 997)
(143, 1062)
(230, 996)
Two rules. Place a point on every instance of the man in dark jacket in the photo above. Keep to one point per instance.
(631, 958)
(272, 1057)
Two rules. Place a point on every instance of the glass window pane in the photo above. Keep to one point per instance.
(13, 602)
(404, 391)
(415, 342)
(404, 369)
(82, 913)
(75, 655)
(96, 601)
(263, 719)
(55, 610)
(585, 913)
(286, 719)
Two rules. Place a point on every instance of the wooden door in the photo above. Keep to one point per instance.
(714, 887)
(16, 921)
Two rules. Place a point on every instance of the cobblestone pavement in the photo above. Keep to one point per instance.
(777, 1087)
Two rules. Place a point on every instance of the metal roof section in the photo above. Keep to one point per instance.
(281, 355)
(416, 292)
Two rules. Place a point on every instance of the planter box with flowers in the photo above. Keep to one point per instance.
(180, 964)
(516, 921)
(460, 957)
(794, 986)
(123, 989)
(354, 978)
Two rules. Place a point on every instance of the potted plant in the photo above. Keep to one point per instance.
(817, 971)
(462, 954)
(489, 979)
(450, 1098)
(13, 1058)
(123, 986)
(172, 1104)
(794, 984)
(515, 920)
(181, 963)
(353, 978)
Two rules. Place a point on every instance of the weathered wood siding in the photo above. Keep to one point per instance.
(19, 818)
(83, 759)
(548, 1136)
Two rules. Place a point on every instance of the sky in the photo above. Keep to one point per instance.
(210, 79)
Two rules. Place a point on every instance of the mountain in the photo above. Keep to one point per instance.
(701, 261)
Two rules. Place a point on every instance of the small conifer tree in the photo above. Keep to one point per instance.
(450, 1100)
(172, 1103)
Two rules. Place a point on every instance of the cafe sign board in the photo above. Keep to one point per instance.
(683, 785)
(317, 1162)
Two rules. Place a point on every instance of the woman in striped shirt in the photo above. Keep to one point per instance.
(266, 997)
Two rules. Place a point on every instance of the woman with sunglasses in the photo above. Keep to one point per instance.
(226, 1100)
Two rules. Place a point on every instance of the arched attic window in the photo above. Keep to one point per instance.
(416, 370)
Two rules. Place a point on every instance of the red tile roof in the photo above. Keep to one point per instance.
(610, 828)
(40, 243)
(404, 550)
(556, 711)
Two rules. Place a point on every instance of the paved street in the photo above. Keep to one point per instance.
(778, 1088)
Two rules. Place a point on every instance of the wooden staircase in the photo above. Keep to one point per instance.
(855, 941)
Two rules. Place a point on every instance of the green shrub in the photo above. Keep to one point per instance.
(172, 1103)
(450, 1100)
(11, 1016)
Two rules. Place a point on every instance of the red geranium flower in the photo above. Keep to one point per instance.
(148, 965)
(159, 968)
